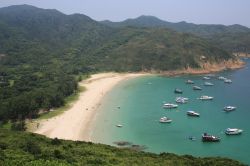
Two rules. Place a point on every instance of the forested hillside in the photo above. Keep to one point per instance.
(20, 148)
(234, 38)
(43, 51)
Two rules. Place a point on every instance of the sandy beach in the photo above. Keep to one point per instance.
(75, 123)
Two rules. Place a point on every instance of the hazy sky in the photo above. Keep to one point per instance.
(196, 11)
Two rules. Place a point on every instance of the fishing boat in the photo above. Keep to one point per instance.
(177, 90)
(228, 81)
(208, 84)
(197, 88)
(181, 100)
(233, 131)
(192, 113)
(170, 105)
(206, 98)
(210, 138)
(165, 120)
(229, 108)
(189, 82)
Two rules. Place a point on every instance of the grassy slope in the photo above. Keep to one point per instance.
(20, 148)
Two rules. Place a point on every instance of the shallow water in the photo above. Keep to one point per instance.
(137, 105)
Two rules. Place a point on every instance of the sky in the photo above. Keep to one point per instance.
(225, 12)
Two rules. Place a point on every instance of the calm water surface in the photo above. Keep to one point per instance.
(140, 101)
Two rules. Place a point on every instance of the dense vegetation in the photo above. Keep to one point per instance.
(43, 51)
(20, 148)
(234, 38)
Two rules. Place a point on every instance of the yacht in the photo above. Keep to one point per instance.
(165, 120)
(229, 108)
(170, 105)
(197, 88)
(119, 125)
(189, 82)
(233, 131)
(222, 78)
(178, 91)
(208, 84)
(210, 138)
(192, 113)
(206, 98)
(228, 81)
(206, 78)
(181, 100)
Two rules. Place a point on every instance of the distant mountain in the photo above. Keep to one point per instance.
(198, 29)
(215, 33)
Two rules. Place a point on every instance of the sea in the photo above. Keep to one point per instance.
(136, 104)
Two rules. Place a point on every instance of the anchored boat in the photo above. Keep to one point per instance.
(170, 105)
(210, 138)
(233, 131)
(192, 113)
(165, 120)
(206, 98)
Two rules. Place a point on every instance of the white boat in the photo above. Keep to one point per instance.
(228, 81)
(189, 82)
(197, 88)
(206, 98)
(233, 131)
(170, 105)
(208, 84)
(229, 108)
(221, 78)
(192, 113)
(165, 120)
(206, 78)
(181, 100)
(119, 125)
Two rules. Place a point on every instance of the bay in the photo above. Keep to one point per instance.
(137, 105)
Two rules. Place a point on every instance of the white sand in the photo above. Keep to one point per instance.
(75, 123)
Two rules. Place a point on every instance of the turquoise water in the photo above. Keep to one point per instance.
(140, 101)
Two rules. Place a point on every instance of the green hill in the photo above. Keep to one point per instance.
(43, 51)
(20, 148)
(234, 38)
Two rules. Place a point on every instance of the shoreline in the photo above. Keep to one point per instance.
(207, 68)
(75, 123)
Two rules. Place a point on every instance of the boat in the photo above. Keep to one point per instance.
(119, 125)
(178, 91)
(228, 81)
(189, 82)
(221, 78)
(165, 120)
(170, 105)
(208, 84)
(233, 131)
(192, 113)
(206, 78)
(192, 138)
(197, 88)
(210, 138)
(229, 108)
(206, 98)
(181, 100)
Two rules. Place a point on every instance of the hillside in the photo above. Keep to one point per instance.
(44, 51)
(227, 37)
(158, 49)
(20, 148)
